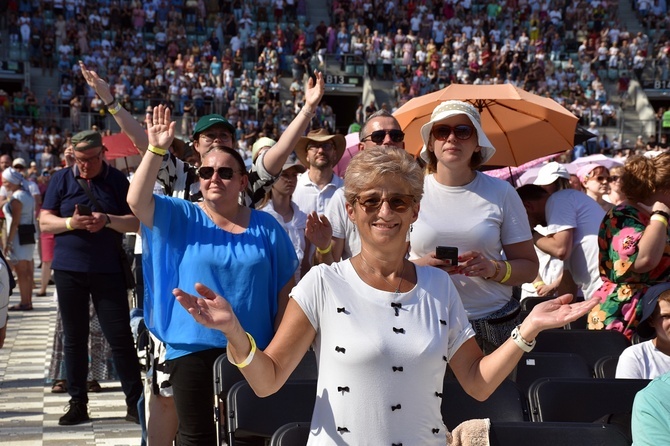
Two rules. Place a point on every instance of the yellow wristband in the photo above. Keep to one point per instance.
(68, 224)
(114, 109)
(508, 273)
(657, 217)
(324, 251)
(539, 283)
(249, 358)
(156, 150)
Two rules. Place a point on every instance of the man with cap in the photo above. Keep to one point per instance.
(572, 220)
(88, 237)
(380, 129)
(651, 358)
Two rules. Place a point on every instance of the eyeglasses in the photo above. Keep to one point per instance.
(461, 131)
(600, 179)
(88, 159)
(613, 178)
(326, 146)
(225, 173)
(210, 137)
(397, 203)
(378, 136)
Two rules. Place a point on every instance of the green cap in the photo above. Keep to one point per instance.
(87, 139)
(210, 120)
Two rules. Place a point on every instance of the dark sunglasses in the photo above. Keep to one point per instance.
(225, 173)
(378, 136)
(600, 178)
(613, 178)
(461, 131)
(397, 203)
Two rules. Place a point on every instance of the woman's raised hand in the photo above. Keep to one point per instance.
(315, 90)
(210, 310)
(160, 127)
(94, 81)
(556, 313)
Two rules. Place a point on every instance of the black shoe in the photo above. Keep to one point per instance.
(76, 414)
(132, 415)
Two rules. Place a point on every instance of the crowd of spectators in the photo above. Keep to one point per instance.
(228, 57)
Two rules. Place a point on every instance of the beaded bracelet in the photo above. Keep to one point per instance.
(497, 270)
(662, 214)
(249, 358)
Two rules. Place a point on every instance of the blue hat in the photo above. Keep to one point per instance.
(649, 301)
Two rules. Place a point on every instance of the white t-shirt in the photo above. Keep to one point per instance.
(310, 198)
(482, 216)
(642, 361)
(294, 228)
(361, 344)
(571, 209)
(342, 226)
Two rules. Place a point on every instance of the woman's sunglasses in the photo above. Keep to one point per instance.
(225, 173)
(461, 131)
(378, 136)
(613, 178)
(397, 203)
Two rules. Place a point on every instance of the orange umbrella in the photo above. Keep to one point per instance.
(522, 126)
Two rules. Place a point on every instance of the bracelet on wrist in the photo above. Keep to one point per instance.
(659, 217)
(495, 272)
(249, 357)
(110, 103)
(538, 284)
(68, 224)
(521, 342)
(662, 214)
(309, 114)
(508, 272)
(324, 251)
(156, 150)
(114, 109)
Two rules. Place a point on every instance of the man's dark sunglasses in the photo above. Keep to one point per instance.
(378, 136)
(225, 173)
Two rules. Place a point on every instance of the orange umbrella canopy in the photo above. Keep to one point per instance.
(522, 126)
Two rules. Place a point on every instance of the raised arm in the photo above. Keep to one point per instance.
(160, 136)
(480, 375)
(128, 124)
(274, 159)
(270, 368)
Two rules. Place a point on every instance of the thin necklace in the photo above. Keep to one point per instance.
(206, 209)
(397, 290)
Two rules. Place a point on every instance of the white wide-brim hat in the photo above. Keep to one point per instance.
(448, 109)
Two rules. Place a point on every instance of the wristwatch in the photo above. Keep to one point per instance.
(109, 221)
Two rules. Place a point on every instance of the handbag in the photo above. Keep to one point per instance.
(26, 234)
(126, 269)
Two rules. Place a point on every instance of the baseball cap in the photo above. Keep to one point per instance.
(259, 144)
(551, 172)
(85, 140)
(448, 109)
(19, 162)
(584, 171)
(208, 121)
(649, 301)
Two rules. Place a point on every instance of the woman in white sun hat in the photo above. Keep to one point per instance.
(480, 215)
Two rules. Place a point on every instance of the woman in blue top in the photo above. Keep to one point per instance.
(243, 254)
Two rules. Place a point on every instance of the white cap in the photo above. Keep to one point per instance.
(448, 109)
(550, 172)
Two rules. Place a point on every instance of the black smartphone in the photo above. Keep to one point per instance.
(447, 253)
(84, 210)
